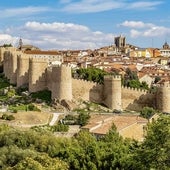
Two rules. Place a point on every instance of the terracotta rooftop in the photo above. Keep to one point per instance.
(100, 124)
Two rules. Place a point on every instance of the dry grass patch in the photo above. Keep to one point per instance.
(31, 118)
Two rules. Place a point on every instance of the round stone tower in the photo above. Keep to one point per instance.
(22, 70)
(62, 83)
(163, 98)
(37, 74)
(112, 92)
(7, 64)
(10, 64)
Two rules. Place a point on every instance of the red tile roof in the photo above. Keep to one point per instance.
(100, 124)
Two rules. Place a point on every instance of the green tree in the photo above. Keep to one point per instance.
(83, 118)
(154, 152)
(131, 79)
(157, 78)
(147, 112)
(7, 45)
(91, 74)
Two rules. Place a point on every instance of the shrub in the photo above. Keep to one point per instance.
(15, 111)
(147, 112)
(10, 117)
(4, 116)
(60, 128)
(32, 107)
(7, 117)
(44, 95)
(83, 118)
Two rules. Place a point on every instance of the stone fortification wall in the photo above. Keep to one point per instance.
(10, 64)
(163, 98)
(7, 64)
(136, 99)
(49, 78)
(13, 67)
(2, 51)
(37, 74)
(61, 82)
(87, 90)
(112, 92)
(22, 70)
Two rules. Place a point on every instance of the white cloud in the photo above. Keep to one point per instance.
(135, 33)
(61, 36)
(7, 39)
(157, 31)
(89, 6)
(136, 24)
(144, 5)
(65, 1)
(55, 27)
(141, 29)
(86, 6)
(24, 11)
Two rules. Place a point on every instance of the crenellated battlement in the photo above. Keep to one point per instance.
(62, 66)
(112, 77)
(85, 82)
(134, 89)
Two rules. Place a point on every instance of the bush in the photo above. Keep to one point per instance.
(83, 118)
(32, 107)
(60, 128)
(15, 111)
(10, 117)
(147, 112)
(7, 117)
(11, 93)
(44, 95)
(4, 116)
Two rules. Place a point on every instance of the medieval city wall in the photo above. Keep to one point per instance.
(10, 64)
(13, 73)
(163, 98)
(37, 74)
(6, 64)
(22, 70)
(112, 92)
(49, 78)
(87, 90)
(136, 99)
(61, 82)
(2, 51)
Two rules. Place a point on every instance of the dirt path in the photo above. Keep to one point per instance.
(55, 118)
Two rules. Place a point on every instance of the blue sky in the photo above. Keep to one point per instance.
(84, 24)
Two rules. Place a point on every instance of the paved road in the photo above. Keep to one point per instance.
(55, 118)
